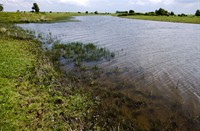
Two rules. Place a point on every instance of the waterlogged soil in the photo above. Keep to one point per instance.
(141, 108)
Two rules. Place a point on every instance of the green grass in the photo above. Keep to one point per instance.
(32, 96)
(185, 19)
(16, 63)
(27, 17)
(15, 58)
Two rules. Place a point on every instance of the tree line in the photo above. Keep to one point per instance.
(159, 12)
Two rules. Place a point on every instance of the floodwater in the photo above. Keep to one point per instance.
(160, 55)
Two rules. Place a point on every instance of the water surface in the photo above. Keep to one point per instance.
(154, 54)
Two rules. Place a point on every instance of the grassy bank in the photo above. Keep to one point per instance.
(27, 17)
(36, 96)
(33, 95)
(178, 19)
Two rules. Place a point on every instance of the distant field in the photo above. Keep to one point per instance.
(27, 17)
(184, 19)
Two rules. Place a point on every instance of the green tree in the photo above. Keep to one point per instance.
(131, 12)
(36, 8)
(96, 12)
(1, 7)
(161, 12)
(172, 13)
(197, 13)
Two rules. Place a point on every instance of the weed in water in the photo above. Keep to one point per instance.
(77, 52)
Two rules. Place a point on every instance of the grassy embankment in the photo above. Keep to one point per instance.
(178, 19)
(33, 95)
(27, 17)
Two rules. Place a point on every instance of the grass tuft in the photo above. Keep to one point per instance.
(77, 52)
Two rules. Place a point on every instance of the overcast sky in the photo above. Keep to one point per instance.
(178, 6)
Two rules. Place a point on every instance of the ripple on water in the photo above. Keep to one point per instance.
(165, 54)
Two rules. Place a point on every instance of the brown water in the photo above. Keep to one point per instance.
(151, 55)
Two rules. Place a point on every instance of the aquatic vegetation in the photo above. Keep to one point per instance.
(78, 52)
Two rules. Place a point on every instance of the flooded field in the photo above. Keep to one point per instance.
(160, 59)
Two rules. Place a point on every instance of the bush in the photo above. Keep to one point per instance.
(197, 13)
(131, 12)
(122, 14)
(150, 13)
(161, 12)
(181, 15)
(139, 13)
(96, 12)
(172, 13)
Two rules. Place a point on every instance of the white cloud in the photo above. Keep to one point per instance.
(75, 2)
(25, 2)
(15, 3)
(155, 1)
(151, 2)
(137, 2)
(168, 2)
(179, 6)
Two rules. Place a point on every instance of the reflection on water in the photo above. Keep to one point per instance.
(150, 54)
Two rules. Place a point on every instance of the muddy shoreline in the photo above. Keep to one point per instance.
(148, 107)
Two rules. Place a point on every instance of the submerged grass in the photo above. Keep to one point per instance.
(77, 52)
(178, 19)
(127, 107)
